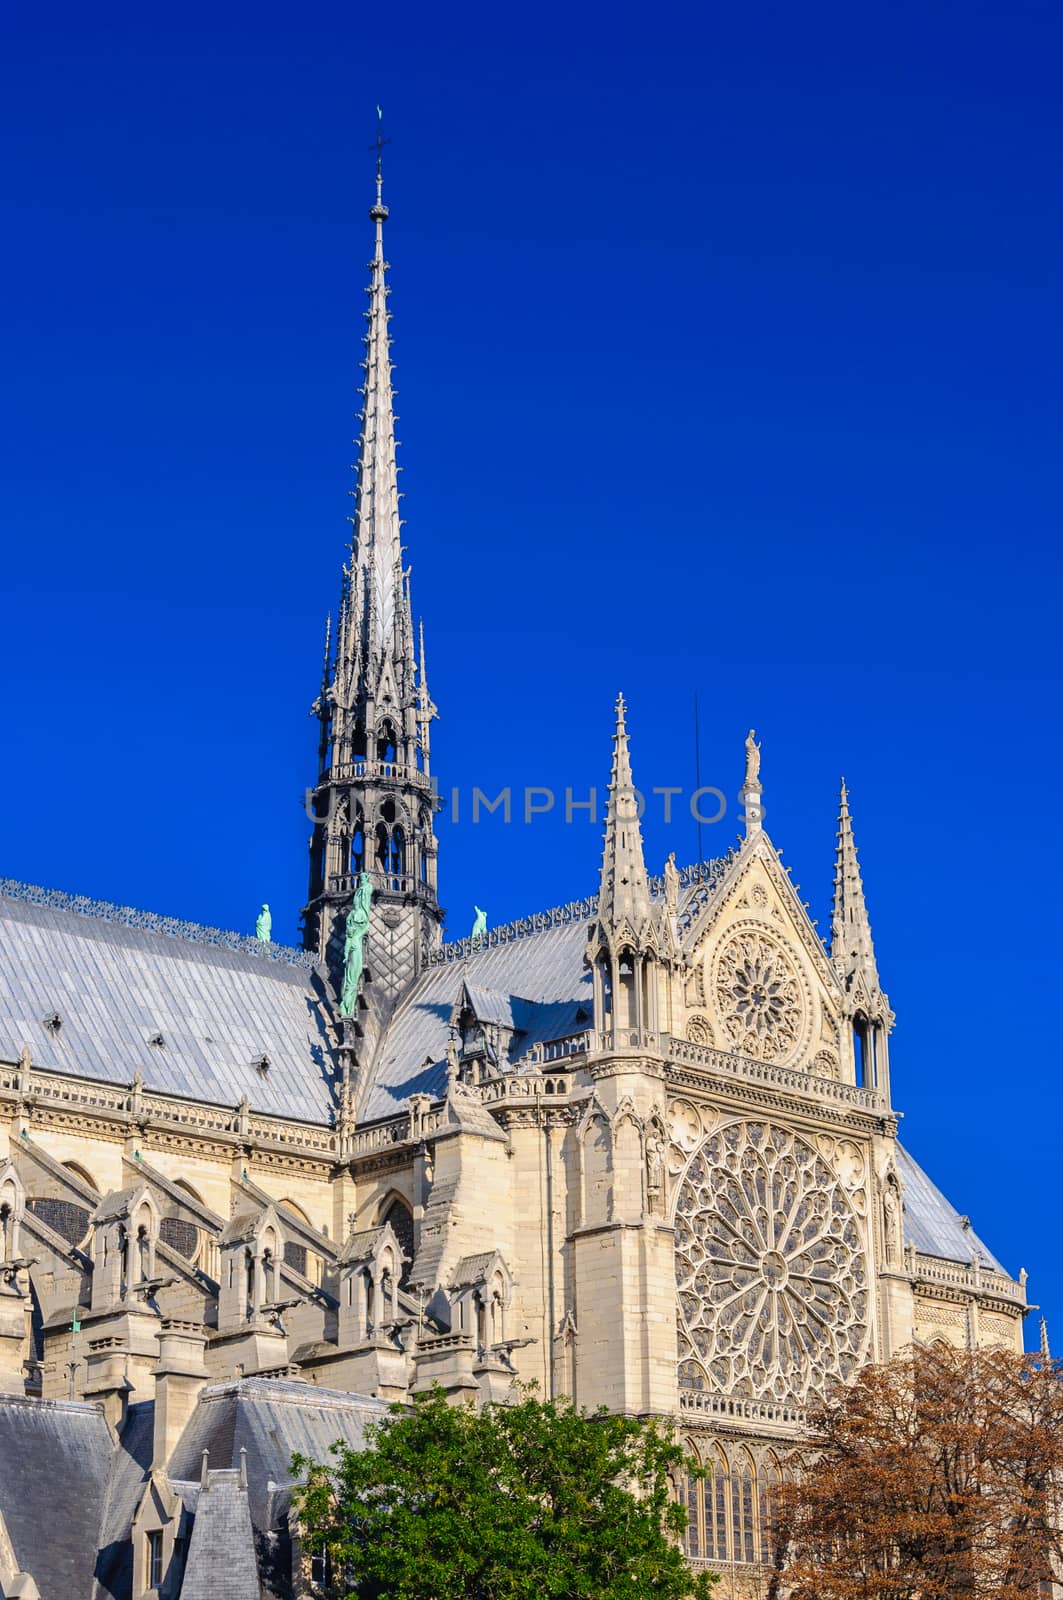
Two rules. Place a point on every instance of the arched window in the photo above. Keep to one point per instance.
(628, 1010)
(864, 1051)
(380, 851)
(767, 1506)
(79, 1172)
(691, 1500)
(399, 1215)
(397, 853)
(357, 856)
(607, 988)
(742, 1482)
(180, 1234)
(68, 1218)
(386, 744)
(295, 1255)
(715, 1490)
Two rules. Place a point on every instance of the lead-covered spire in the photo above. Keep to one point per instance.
(373, 802)
(851, 947)
(374, 671)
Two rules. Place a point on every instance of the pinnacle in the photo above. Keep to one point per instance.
(852, 949)
(624, 895)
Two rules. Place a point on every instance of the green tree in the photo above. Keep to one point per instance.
(537, 1499)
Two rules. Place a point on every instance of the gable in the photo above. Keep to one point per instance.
(759, 980)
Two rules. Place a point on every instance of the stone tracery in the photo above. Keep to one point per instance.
(758, 996)
(770, 1268)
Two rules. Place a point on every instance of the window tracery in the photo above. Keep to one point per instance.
(771, 1274)
(759, 996)
(731, 1509)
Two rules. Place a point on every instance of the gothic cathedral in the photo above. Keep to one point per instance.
(640, 1148)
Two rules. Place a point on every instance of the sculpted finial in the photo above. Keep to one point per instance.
(752, 777)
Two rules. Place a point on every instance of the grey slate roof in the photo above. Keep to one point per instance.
(221, 1553)
(55, 1460)
(272, 1418)
(130, 1465)
(217, 1008)
(539, 981)
(934, 1226)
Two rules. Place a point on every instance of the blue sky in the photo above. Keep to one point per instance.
(728, 344)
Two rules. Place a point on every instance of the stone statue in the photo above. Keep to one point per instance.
(891, 1209)
(752, 777)
(671, 883)
(479, 926)
(655, 1168)
(452, 1061)
(264, 925)
(355, 930)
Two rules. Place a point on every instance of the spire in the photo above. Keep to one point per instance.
(374, 668)
(376, 547)
(373, 803)
(852, 950)
(624, 895)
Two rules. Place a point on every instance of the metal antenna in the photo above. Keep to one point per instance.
(697, 775)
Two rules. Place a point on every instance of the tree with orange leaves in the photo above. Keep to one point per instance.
(936, 1476)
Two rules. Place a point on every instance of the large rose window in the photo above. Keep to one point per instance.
(758, 994)
(770, 1269)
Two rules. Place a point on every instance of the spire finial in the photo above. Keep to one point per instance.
(379, 212)
(1046, 1354)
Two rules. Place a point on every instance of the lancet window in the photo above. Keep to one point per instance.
(731, 1510)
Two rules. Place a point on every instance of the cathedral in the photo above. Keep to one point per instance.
(640, 1148)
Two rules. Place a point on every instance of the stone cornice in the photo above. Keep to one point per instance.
(742, 1093)
(115, 1112)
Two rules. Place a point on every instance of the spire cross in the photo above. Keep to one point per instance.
(378, 145)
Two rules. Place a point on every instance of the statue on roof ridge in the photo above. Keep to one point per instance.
(355, 930)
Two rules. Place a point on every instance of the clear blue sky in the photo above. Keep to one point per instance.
(729, 349)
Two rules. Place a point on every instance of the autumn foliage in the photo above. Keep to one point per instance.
(938, 1476)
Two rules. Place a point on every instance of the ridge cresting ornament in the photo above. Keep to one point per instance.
(758, 996)
(770, 1269)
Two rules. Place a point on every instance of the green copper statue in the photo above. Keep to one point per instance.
(354, 944)
(479, 926)
(263, 925)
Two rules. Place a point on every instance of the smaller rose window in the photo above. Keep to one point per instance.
(759, 997)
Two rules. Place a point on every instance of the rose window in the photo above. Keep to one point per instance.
(770, 1269)
(759, 997)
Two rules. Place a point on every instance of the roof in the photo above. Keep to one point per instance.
(528, 975)
(218, 1006)
(273, 1419)
(539, 980)
(56, 1457)
(130, 1465)
(933, 1225)
(221, 1552)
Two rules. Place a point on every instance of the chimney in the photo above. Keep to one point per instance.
(179, 1378)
